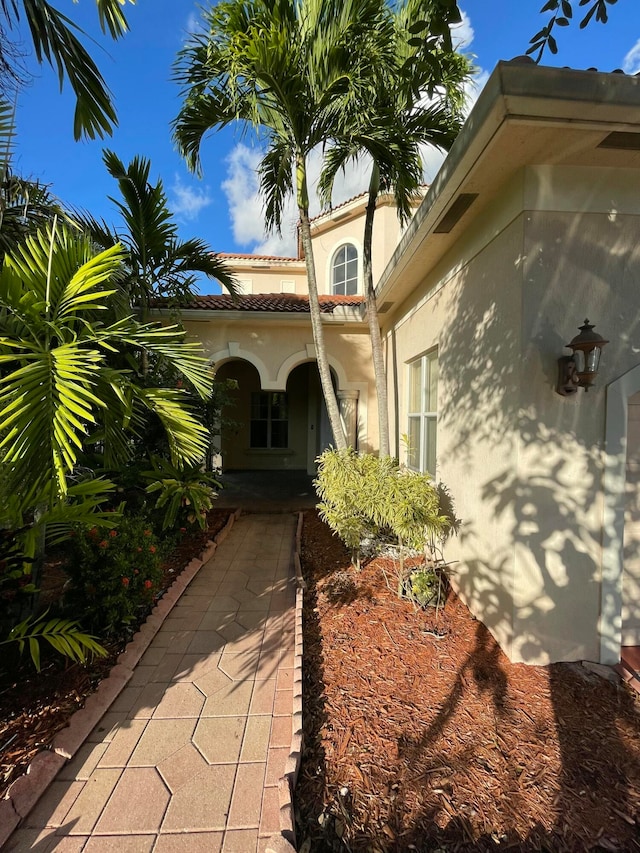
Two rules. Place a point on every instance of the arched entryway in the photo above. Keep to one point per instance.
(273, 429)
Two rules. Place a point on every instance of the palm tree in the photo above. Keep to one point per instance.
(290, 68)
(57, 386)
(418, 101)
(158, 263)
(54, 40)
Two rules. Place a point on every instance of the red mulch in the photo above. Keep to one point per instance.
(438, 743)
(35, 706)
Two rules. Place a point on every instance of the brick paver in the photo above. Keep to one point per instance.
(189, 755)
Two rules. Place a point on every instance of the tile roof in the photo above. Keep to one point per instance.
(286, 302)
(245, 256)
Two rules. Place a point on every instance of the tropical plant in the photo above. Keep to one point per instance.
(362, 495)
(185, 493)
(63, 635)
(417, 101)
(58, 390)
(114, 574)
(290, 69)
(37, 522)
(25, 207)
(54, 39)
(158, 263)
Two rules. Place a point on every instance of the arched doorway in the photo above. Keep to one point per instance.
(303, 388)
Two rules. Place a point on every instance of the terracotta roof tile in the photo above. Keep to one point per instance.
(270, 302)
(249, 257)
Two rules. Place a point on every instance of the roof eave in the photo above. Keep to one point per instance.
(518, 90)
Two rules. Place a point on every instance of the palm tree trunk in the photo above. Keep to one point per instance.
(379, 369)
(329, 394)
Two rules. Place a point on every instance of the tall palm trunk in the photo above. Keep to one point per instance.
(329, 394)
(379, 369)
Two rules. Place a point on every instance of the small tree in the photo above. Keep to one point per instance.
(365, 496)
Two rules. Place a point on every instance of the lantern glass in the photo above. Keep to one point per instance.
(593, 360)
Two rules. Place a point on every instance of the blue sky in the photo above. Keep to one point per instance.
(223, 208)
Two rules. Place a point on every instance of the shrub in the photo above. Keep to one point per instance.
(366, 496)
(184, 494)
(114, 575)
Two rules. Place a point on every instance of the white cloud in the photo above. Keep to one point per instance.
(462, 34)
(187, 201)
(246, 205)
(631, 62)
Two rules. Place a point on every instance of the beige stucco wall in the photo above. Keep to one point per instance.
(631, 575)
(466, 308)
(260, 278)
(524, 465)
(386, 235)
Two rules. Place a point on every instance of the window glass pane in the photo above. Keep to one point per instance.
(344, 271)
(279, 406)
(432, 384)
(259, 405)
(259, 433)
(429, 457)
(415, 386)
(413, 450)
(279, 434)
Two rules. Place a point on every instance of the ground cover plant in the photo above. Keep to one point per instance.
(421, 735)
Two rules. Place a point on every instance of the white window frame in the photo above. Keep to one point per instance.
(345, 246)
(269, 396)
(423, 417)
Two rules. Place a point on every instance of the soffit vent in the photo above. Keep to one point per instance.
(384, 307)
(455, 213)
(621, 139)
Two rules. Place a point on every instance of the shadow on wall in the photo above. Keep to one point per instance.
(531, 462)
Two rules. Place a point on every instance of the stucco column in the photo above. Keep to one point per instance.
(348, 402)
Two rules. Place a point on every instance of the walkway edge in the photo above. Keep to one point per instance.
(285, 842)
(25, 791)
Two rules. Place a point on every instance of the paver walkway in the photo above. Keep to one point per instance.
(189, 755)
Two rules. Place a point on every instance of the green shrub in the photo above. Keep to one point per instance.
(364, 496)
(184, 494)
(114, 575)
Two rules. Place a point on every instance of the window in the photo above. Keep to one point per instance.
(423, 413)
(344, 271)
(269, 419)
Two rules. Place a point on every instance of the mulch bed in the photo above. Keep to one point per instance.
(35, 706)
(421, 735)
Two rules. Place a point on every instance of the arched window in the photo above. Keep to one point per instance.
(344, 271)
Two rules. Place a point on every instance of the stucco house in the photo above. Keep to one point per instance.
(531, 225)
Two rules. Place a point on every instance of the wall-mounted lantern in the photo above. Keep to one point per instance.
(580, 368)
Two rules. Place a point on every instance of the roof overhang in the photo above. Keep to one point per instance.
(525, 115)
(340, 316)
